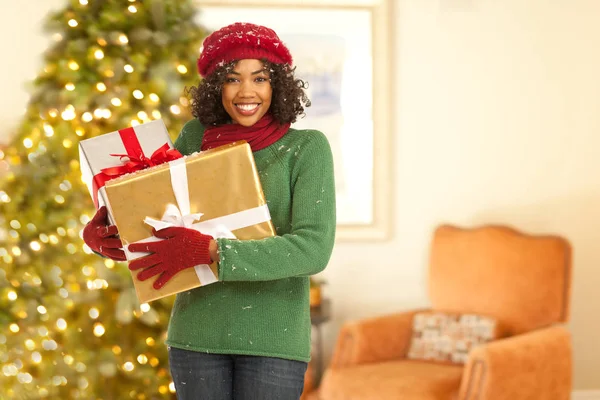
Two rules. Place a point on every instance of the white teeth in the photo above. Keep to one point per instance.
(247, 107)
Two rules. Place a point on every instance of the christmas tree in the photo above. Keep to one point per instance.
(71, 324)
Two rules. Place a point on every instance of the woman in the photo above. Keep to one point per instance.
(247, 336)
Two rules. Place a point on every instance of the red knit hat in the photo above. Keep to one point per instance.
(241, 41)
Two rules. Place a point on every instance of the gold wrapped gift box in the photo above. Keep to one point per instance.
(222, 183)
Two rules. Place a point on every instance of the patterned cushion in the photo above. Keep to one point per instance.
(447, 337)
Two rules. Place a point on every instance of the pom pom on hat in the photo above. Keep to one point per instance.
(241, 41)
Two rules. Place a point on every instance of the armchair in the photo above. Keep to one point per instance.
(521, 280)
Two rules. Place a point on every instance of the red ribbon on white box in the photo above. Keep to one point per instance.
(134, 160)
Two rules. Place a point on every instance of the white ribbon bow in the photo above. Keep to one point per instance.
(173, 217)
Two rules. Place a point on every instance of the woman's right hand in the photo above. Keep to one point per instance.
(102, 237)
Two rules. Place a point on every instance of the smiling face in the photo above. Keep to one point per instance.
(247, 92)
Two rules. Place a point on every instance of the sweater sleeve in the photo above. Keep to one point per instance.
(190, 137)
(307, 248)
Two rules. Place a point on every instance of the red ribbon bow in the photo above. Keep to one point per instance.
(136, 160)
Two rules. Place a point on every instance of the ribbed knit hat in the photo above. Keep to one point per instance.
(241, 41)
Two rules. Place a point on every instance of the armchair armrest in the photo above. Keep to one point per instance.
(374, 339)
(534, 365)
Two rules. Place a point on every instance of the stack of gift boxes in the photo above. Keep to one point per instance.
(146, 184)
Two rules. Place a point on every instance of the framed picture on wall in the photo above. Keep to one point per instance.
(341, 49)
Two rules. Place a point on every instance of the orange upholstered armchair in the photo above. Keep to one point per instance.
(523, 281)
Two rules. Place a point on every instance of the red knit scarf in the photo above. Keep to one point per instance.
(260, 135)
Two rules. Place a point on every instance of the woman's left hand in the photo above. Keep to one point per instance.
(181, 248)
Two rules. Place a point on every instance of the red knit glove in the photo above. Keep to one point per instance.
(101, 237)
(182, 248)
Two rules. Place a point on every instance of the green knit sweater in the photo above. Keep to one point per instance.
(261, 304)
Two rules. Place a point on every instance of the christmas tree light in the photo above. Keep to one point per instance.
(73, 326)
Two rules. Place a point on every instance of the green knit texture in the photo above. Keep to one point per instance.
(261, 304)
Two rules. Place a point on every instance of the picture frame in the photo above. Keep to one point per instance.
(342, 49)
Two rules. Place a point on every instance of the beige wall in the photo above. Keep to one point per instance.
(497, 120)
(21, 43)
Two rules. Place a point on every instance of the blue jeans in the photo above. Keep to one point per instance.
(202, 376)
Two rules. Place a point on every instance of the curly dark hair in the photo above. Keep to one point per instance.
(287, 102)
